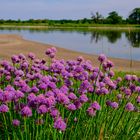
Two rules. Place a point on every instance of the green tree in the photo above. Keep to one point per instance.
(96, 17)
(114, 18)
(134, 16)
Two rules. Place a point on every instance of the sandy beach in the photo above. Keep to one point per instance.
(14, 44)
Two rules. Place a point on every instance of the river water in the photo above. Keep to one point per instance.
(114, 43)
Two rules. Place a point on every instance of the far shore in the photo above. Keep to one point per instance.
(15, 44)
(102, 26)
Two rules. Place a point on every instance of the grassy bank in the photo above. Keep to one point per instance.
(69, 25)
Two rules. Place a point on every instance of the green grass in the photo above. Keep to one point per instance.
(70, 25)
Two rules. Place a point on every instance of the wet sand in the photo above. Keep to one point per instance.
(14, 44)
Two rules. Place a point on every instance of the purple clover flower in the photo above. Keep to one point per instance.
(127, 92)
(72, 96)
(110, 64)
(53, 49)
(119, 79)
(42, 109)
(95, 105)
(31, 97)
(128, 77)
(94, 75)
(60, 124)
(4, 108)
(102, 84)
(80, 59)
(134, 78)
(31, 55)
(111, 73)
(78, 104)
(34, 89)
(129, 107)
(132, 87)
(26, 111)
(64, 89)
(91, 112)
(62, 98)
(102, 58)
(71, 107)
(119, 96)
(54, 113)
(104, 90)
(49, 93)
(43, 86)
(8, 77)
(83, 98)
(138, 99)
(50, 101)
(108, 103)
(19, 94)
(15, 59)
(51, 52)
(138, 89)
(40, 99)
(21, 56)
(114, 105)
(16, 122)
(8, 96)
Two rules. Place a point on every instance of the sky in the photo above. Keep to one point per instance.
(63, 9)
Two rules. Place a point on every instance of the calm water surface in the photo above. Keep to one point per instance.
(113, 43)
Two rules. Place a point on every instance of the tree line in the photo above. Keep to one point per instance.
(96, 18)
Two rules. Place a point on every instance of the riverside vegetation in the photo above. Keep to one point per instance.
(58, 99)
(96, 20)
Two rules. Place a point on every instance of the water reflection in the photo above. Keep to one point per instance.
(134, 38)
(112, 36)
(96, 36)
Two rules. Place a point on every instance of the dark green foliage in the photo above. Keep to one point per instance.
(114, 18)
(134, 16)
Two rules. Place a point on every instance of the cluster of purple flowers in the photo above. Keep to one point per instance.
(51, 52)
(93, 108)
(33, 86)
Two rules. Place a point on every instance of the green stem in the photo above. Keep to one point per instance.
(6, 128)
(25, 129)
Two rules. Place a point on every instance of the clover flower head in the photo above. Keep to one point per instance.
(83, 98)
(119, 96)
(60, 124)
(4, 108)
(102, 58)
(26, 111)
(138, 99)
(71, 107)
(91, 112)
(129, 107)
(31, 55)
(15, 122)
(42, 109)
(114, 105)
(95, 105)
